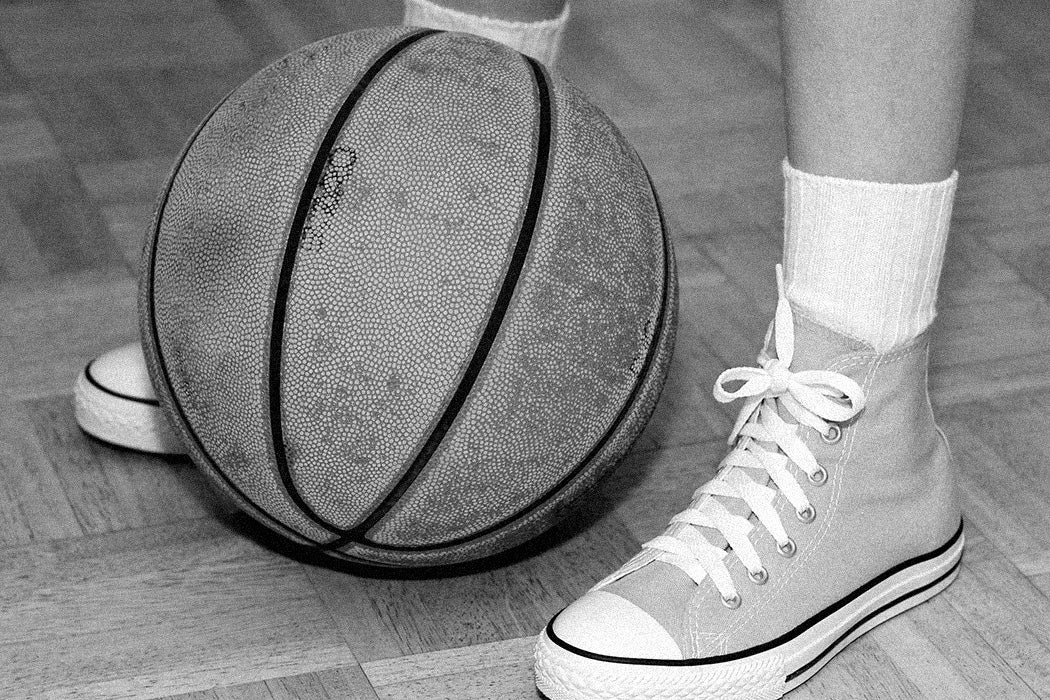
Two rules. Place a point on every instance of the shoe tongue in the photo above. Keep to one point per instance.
(816, 345)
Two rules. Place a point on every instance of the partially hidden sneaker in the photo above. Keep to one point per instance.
(113, 400)
(834, 510)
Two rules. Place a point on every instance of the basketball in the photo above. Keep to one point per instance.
(407, 296)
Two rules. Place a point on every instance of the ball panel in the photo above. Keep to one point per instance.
(553, 510)
(159, 373)
(204, 313)
(219, 245)
(399, 265)
(571, 348)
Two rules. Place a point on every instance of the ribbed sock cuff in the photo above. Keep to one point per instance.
(541, 39)
(866, 257)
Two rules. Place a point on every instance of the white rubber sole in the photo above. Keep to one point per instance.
(564, 672)
(126, 421)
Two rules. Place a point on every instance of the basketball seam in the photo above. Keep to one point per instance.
(492, 327)
(643, 376)
(284, 281)
(162, 364)
(170, 390)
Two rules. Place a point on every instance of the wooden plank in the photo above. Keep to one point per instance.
(33, 505)
(22, 259)
(1011, 615)
(497, 670)
(394, 616)
(134, 114)
(967, 657)
(50, 38)
(335, 683)
(53, 327)
(650, 487)
(126, 193)
(921, 662)
(346, 683)
(23, 135)
(1004, 492)
(862, 671)
(687, 412)
(1004, 122)
(66, 230)
(610, 40)
(110, 488)
(155, 612)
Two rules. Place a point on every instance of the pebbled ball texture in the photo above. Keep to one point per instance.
(407, 296)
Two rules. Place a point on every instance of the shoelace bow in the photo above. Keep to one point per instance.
(815, 398)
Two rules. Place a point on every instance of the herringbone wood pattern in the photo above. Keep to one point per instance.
(122, 575)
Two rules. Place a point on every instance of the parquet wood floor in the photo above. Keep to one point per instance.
(123, 576)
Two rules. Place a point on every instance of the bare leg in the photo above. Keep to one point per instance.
(874, 93)
(874, 88)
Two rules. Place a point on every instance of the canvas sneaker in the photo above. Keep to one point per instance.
(833, 511)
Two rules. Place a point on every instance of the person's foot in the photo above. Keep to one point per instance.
(834, 511)
(113, 400)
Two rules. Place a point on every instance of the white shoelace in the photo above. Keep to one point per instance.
(815, 398)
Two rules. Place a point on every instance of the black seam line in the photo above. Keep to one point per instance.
(614, 426)
(488, 335)
(643, 375)
(875, 613)
(284, 280)
(782, 639)
(256, 510)
(105, 389)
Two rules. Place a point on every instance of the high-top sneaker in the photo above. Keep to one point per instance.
(833, 511)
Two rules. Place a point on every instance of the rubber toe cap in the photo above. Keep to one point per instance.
(604, 623)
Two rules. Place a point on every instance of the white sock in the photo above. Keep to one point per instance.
(541, 39)
(865, 257)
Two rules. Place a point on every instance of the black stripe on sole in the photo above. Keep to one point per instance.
(875, 613)
(787, 636)
(106, 390)
(291, 250)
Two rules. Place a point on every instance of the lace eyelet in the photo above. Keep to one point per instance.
(759, 577)
(732, 602)
(833, 435)
(807, 514)
(787, 549)
(819, 477)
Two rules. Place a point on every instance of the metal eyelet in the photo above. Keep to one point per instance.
(819, 477)
(758, 577)
(807, 514)
(732, 602)
(787, 549)
(833, 435)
